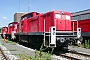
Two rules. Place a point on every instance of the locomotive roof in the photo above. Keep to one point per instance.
(13, 22)
(56, 11)
(4, 27)
(28, 13)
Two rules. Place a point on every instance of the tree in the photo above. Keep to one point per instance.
(0, 30)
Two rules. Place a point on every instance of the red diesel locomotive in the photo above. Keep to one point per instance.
(52, 28)
(4, 31)
(12, 29)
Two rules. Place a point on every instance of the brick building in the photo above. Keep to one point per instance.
(17, 16)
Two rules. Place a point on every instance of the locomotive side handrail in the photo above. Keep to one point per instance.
(73, 25)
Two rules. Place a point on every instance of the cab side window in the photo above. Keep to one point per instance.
(28, 16)
(22, 18)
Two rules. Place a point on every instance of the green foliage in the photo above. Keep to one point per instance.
(25, 57)
(39, 55)
(86, 44)
(0, 30)
(12, 43)
(42, 55)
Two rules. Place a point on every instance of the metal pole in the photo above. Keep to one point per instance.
(19, 6)
(29, 7)
(77, 23)
(73, 28)
(44, 33)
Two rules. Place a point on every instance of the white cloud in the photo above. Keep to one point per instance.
(4, 17)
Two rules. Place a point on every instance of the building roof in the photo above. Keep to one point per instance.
(20, 12)
(80, 12)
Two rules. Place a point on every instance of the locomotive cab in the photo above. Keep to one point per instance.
(4, 31)
(58, 33)
(12, 29)
(25, 21)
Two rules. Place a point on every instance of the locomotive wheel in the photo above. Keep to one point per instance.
(79, 43)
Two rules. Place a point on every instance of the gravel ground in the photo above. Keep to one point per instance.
(78, 56)
(75, 48)
(79, 49)
(16, 49)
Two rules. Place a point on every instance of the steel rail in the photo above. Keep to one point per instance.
(3, 55)
(79, 53)
(69, 57)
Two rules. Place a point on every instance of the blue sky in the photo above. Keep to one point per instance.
(9, 7)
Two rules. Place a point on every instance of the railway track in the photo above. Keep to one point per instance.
(2, 56)
(74, 55)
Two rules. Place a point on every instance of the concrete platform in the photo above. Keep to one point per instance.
(15, 49)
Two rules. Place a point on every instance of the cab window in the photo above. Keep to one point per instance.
(28, 16)
(22, 18)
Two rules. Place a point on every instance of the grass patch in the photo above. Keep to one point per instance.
(0, 37)
(13, 43)
(44, 56)
(86, 44)
(8, 41)
(39, 55)
(3, 44)
(25, 57)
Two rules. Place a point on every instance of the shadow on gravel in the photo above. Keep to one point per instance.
(55, 51)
